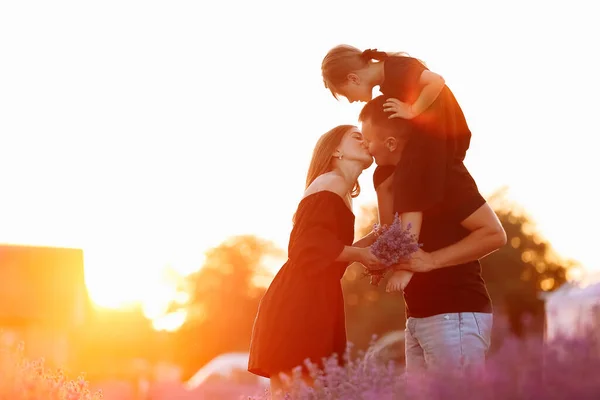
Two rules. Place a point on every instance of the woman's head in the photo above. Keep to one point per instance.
(345, 71)
(341, 145)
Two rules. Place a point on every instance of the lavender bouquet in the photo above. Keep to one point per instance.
(393, 244)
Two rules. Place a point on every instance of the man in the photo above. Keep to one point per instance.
(449, 312)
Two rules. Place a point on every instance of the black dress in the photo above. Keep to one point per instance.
(301, 316)
(432, 159)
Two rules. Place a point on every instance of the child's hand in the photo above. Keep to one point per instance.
(398, 281)
(399, 109)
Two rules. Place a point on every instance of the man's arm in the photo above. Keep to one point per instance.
(487, 235)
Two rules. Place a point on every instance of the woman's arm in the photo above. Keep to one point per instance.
(366, 240)
(361, 255)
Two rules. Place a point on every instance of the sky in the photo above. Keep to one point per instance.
(146, 132)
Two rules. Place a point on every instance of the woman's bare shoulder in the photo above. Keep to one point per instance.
(329, 181)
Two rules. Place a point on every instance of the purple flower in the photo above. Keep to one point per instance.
(393, 245)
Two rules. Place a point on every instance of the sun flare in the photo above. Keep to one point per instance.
(128, 284)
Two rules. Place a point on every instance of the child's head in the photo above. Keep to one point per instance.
(345, 72)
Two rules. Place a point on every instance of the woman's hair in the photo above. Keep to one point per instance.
(322, 158)
(345, 59)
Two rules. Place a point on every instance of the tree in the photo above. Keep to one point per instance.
(224, 298)
(527, 266)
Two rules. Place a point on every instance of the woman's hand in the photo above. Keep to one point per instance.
(369, 260)
(398, 108)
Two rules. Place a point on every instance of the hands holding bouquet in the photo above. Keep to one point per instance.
(393, 245)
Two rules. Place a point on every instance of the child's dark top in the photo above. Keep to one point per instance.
(437, 145)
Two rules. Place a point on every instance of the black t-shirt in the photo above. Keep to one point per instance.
(443, 118)
(439, 140)
(454, 289)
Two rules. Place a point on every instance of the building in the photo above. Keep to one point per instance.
(43, 301)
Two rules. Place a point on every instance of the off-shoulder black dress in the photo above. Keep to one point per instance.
(301, 316)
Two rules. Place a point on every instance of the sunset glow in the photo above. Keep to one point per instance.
(145, 144)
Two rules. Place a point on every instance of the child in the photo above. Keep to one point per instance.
(433, 157)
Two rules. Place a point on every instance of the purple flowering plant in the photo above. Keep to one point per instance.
(24, 379)
(393, 244)
(566, 368)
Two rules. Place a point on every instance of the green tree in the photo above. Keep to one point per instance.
(224, 298)
(519, 272)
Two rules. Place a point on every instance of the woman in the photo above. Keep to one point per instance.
(301, 315)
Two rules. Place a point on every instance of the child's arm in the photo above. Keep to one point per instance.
(432, 87)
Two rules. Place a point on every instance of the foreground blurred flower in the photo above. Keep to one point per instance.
(521, 369)
(22, 379)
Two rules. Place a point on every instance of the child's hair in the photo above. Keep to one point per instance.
(344, 59)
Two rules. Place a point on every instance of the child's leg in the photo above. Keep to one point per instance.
(398, 280)
(414, 219)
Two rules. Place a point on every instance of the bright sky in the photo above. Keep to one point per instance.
(148, 131)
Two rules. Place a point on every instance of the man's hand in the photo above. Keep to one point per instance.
(420, 261)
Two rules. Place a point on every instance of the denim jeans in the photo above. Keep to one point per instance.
(454, 341)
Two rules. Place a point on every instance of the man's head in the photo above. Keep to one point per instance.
(384, 137)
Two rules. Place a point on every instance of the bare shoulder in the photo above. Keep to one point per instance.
(331, 182)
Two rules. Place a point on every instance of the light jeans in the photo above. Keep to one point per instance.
(452, 341)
